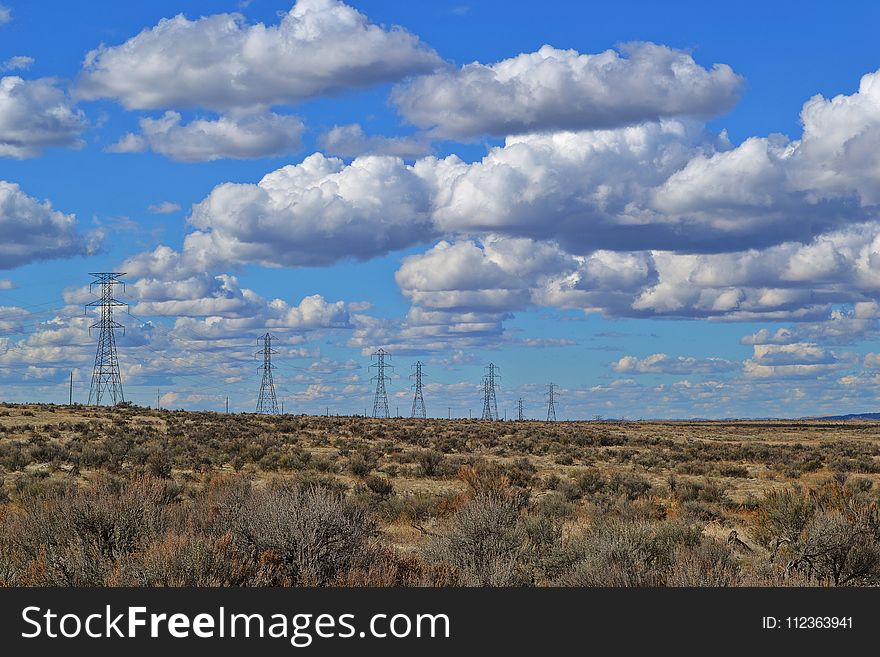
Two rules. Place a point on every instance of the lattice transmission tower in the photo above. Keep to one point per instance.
(267, 403)
(418, 405)
(380, 400)
(551, 402)
(490, 404)
(519, 410)
(106, 381)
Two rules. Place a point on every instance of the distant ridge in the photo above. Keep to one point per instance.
(851, 416)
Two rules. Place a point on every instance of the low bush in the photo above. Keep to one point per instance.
(831, 533)
(618, 552)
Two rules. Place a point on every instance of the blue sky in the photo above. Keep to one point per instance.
(668, 209)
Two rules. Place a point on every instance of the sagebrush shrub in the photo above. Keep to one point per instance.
(621, 552)
(831, 533)
(314, 533)
(487, 540)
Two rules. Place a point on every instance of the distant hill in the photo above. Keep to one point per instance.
(851, 416)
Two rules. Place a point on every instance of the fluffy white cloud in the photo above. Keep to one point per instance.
(660, 188)
(350, 141)
(496, 275)
(765, 336)
(802, 279)
(220, 61)
(665, 364)
(36, 114)
(554, 89)
(312, 313)
(586, 190)
(798, 353)
(313, 213)
(17, 63)
(34, 230)
(839, 153)
(667, 186)
(58, 341)
(424, 331)
(194, 296)
(204, 140)
(5, 15)
(795, 360)
(216, 306)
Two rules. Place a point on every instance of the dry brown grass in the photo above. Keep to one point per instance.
(594, 484)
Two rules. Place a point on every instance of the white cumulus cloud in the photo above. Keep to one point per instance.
(204, 140)
(665, 364)
(36, 114)
(554, 89)
(220, 61)
(33, 230)
(313, 213)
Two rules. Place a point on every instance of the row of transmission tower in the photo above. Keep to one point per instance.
(489, 384)
(490, 402)
(106, 383)
(380, 397)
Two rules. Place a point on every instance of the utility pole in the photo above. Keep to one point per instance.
(227, 404)
(551, 402)
(105, 375)
(449, 412)
(158, 407)
(380, 400)
(418, 405)
(490, 404)
(282, 407)
(70, 395)
(519, 409)
(267, 403)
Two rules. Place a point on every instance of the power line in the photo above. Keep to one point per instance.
(380, 400)
(418, 405)
(490, 403)
(551, 402)
(105, 376)
(267, 404)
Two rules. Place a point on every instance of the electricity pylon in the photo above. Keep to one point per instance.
(519, 410)
(418, 405)
(490, 404)
(106, 379)
(380, 400)
(267, 403)
(551, 402)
